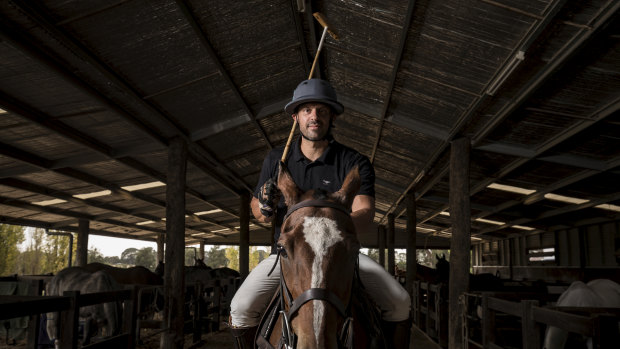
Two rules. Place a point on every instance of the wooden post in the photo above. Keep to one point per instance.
(382, 245)
(244, 236)
(390, 242)
(488, 322)
(175, 244)
(68, 322)
(411, 247)
(529, 330)
(460, 243)
(161, 239)
(81, 255)
(201, 251)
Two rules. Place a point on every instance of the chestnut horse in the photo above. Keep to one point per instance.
(318, 251)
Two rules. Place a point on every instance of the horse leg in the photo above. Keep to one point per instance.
(89, 327)
(555, 338)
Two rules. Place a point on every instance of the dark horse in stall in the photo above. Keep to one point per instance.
(318, 249)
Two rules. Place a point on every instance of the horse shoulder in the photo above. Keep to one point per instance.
(578, 294)
(608, 292)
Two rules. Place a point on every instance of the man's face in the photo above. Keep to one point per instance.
(314, 120)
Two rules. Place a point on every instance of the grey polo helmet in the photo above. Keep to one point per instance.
(314, 90)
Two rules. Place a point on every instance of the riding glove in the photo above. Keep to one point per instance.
(268, 197)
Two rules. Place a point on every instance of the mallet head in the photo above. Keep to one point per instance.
(323, 21)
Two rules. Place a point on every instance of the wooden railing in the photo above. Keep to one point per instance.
(215, 296)
(430, 310)
(69, 306)
(599, 323)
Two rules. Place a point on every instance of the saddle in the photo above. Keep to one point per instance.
(367, 331)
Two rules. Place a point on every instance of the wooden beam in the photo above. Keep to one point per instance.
(390, 245)
(411, 242)
(548, 70)
(244, 236)
(35, 160)
(382, 243)
(175, 245)
(461, 239)
(202, 37)
(81, 255)
(75, 53)
(395, 67)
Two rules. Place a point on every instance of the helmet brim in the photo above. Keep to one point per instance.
(336, 106)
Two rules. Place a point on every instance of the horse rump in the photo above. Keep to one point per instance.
(104, 316)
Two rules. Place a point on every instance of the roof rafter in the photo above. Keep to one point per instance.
(77, 54)
(545, 73)
(18, 154)
(204, 40)
(395, 68)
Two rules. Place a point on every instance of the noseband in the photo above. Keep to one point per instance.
(346, 333)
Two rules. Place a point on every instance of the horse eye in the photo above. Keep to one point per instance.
(282, 251)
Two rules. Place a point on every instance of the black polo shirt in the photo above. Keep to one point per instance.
(327, 172)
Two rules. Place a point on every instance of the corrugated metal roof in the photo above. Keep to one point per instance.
(94, 90)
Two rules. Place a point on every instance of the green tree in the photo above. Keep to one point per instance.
(146, 257)
(401, 261)
(10, 237)
(256, 256)
(32, 261)
(95, 256)
(112, 260)
(56, 253)
(129, 256)
(216, 257)
(373, 253)
(191, 253)
(232, 254)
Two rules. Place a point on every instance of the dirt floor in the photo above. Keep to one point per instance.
(223, 340)
(213, 340)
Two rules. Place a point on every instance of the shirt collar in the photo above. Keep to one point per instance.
(297, 155)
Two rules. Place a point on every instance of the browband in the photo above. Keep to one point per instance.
(315, 203)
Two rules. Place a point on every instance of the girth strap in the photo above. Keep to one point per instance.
(317, 294)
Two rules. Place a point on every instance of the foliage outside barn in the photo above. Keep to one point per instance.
(38, 253)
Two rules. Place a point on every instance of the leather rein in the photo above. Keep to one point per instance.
(288, 336)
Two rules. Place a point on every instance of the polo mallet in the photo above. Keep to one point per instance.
(326, 29)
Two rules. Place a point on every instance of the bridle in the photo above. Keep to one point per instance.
(345, 337)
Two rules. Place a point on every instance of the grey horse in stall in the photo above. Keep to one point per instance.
(104, 316)
(599, 293)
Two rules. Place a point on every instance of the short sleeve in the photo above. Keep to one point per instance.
(367, 175)
(270, 166)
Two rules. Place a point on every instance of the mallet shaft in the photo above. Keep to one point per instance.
(323, 21)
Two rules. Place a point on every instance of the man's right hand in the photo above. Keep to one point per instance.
(268, 197)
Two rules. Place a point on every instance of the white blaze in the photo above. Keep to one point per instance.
(321, 233)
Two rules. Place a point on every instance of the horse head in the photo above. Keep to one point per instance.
(443, 268)
(319, 249)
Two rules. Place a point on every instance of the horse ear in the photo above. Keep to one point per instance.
(349, 188)
(287, 186)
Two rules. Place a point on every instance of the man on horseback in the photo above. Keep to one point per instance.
(317, 161)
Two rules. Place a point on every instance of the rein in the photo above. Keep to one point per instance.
(346, 332)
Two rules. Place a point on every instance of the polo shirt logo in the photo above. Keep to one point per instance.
(325, 181)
